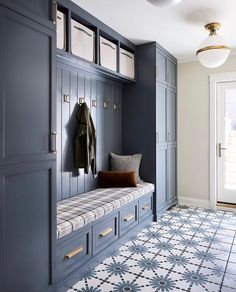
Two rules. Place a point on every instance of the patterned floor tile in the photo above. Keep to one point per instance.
(188, 249)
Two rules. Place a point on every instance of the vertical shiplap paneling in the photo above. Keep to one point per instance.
(99, 122)
(59, 163)
(107, 122)
(71, 130)
(90, 182)
(117, 120)
(65, 115)
(81, 93)
(107, 125)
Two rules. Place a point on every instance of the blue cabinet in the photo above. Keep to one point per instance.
(161, 67)
(128, 217)
(166, 186)
(170, 115)
(171, 73)
(27, 158)
(171, 173)
(150, 128)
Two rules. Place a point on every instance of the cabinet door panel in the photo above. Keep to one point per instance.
(161, 194)
(160, 67)
(161, 114)
(171, 173)
(27, 215)
(171, 115)
(171, 73)
(25, 102)
(42, 8)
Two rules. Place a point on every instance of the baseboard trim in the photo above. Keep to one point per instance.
(194, 202)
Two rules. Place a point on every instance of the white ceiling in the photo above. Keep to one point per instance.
(179, 29)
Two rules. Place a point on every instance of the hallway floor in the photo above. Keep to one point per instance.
(189, 249)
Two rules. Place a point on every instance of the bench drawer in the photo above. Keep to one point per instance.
(145, 206)
(105, 232)
(73, 252)
(128, 217)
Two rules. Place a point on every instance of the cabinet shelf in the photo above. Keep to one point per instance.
(79, 63)
(72, 11)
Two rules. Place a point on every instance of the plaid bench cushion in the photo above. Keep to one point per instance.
(76, 212)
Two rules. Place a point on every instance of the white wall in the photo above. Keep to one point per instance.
(193, 129)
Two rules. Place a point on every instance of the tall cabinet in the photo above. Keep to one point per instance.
(149, 121)
(27, 158)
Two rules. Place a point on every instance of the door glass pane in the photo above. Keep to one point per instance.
(230, 139)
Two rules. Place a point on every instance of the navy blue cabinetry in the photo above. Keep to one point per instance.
(149, 121)
(27, 158)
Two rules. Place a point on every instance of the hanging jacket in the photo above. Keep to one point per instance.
(85, 141)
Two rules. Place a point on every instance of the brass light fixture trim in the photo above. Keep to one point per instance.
(213, 27)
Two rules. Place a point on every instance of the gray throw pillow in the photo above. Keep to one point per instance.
(126, 163)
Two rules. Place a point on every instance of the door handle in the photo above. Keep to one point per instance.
(220, 149)
(54, 11)
(53, 142)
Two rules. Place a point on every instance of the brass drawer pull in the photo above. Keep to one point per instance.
(129, 217)
(73, 253)
(145, 207)
(105, 232)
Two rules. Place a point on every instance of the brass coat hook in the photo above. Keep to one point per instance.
(81, 100)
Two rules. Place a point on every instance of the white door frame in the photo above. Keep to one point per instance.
(214, 80)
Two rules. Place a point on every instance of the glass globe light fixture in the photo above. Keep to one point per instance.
(213, 51)
(164, 3)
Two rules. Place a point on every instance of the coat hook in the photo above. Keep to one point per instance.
(81, 100)
(94, 103)
(66, 98)
(115, 106)
(106, 103)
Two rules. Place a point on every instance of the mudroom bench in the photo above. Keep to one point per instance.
(91, 223)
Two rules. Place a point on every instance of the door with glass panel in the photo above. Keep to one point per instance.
(226, 146)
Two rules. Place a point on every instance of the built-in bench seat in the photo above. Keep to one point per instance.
(78, 211)
(91, 225)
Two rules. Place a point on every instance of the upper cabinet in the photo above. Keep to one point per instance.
(27, 108)
(161, 61)
(84, 39)
(38, 7)
(171, 73)
(166, 69)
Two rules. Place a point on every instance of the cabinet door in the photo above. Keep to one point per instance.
(171, 73)
(161, 67)
(161, 194)
(27, 106)
(171, 115)
(171, 173)
(39, 7)
(27, 164)
(160, 113)
(27, 196)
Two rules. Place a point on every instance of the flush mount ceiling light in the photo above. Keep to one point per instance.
(164, 3)
(213, 51)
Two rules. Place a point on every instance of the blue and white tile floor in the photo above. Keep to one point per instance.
(188, 249)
